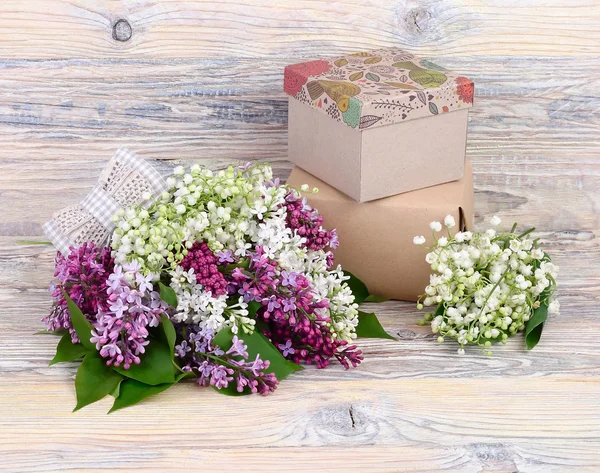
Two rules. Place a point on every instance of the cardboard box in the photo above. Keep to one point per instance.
(379, 123)
(376, 238)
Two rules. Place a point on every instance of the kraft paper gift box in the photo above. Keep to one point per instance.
(376, 238)
(379, 123)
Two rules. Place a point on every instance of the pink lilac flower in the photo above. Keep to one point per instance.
(121, 330)
(204, 263)
(215, 367)
(307, 222)
(294, 318)
(83, 275)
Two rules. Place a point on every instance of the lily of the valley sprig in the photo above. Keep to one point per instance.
(486, 287)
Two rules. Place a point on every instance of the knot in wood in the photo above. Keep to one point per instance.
(122, 31)
(417, 20)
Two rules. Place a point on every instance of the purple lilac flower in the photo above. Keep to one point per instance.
(215, 367)
(204, 263)
(272, 303)
(289, 279)
(182, 349)
(289, 304)
(274, 182)
(225, 257)
(286, 349)
(83, 275)
(307, 222)
(295, 320)
(121, 331)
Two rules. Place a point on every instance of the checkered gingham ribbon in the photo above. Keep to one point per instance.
(57, 237)
(141, 166)
(101, 205)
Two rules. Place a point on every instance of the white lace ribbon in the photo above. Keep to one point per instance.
(122, 183)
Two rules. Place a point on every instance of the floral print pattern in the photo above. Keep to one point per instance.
(465, 89)
(377, 88)
(297, 75)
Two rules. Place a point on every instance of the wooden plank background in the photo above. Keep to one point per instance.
(201, 81)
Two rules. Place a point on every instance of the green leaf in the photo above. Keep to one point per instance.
(115, 393)
(257, 344)
(369, 327)
(253, 308)
(223, 339)
(533, 330)
(81, 324)
(156, 365)
(66, 350)
(169, 332)
(94, 380)
(133, 391)
(243, 263)
(168, 295)
(433, 108)
(58, 333)
(373, 298)
(358, 288)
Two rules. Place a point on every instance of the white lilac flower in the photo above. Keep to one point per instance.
(231, 210)
(419, 240)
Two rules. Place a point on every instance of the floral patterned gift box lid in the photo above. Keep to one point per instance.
(377, 88)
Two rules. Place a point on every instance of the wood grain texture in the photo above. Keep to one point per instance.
(201, 82)
(258, 28)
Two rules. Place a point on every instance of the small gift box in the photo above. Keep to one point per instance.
(376, 238)
(378, 123)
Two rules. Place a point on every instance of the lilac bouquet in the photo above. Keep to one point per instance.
(223, 277)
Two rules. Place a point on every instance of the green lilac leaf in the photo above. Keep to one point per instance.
(94, 380)
(156, 366)
(81, 324)
(358, 288)
(115, 392)
(133, 391)
(370, 327)
(253, 308)
(58, 333)
(533, 330)
(439, 310)
(168, 295)
(66, 350)
(231, 390)
(257, 344)
(169, 332)
(243, 263)
(223, 339)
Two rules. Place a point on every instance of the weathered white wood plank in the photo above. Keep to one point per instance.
(463, 425)
(257, 28)
(523, 107)
(413, 405)
(531, 140)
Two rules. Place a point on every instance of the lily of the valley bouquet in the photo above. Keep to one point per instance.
(487, 286)
(225, 277)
